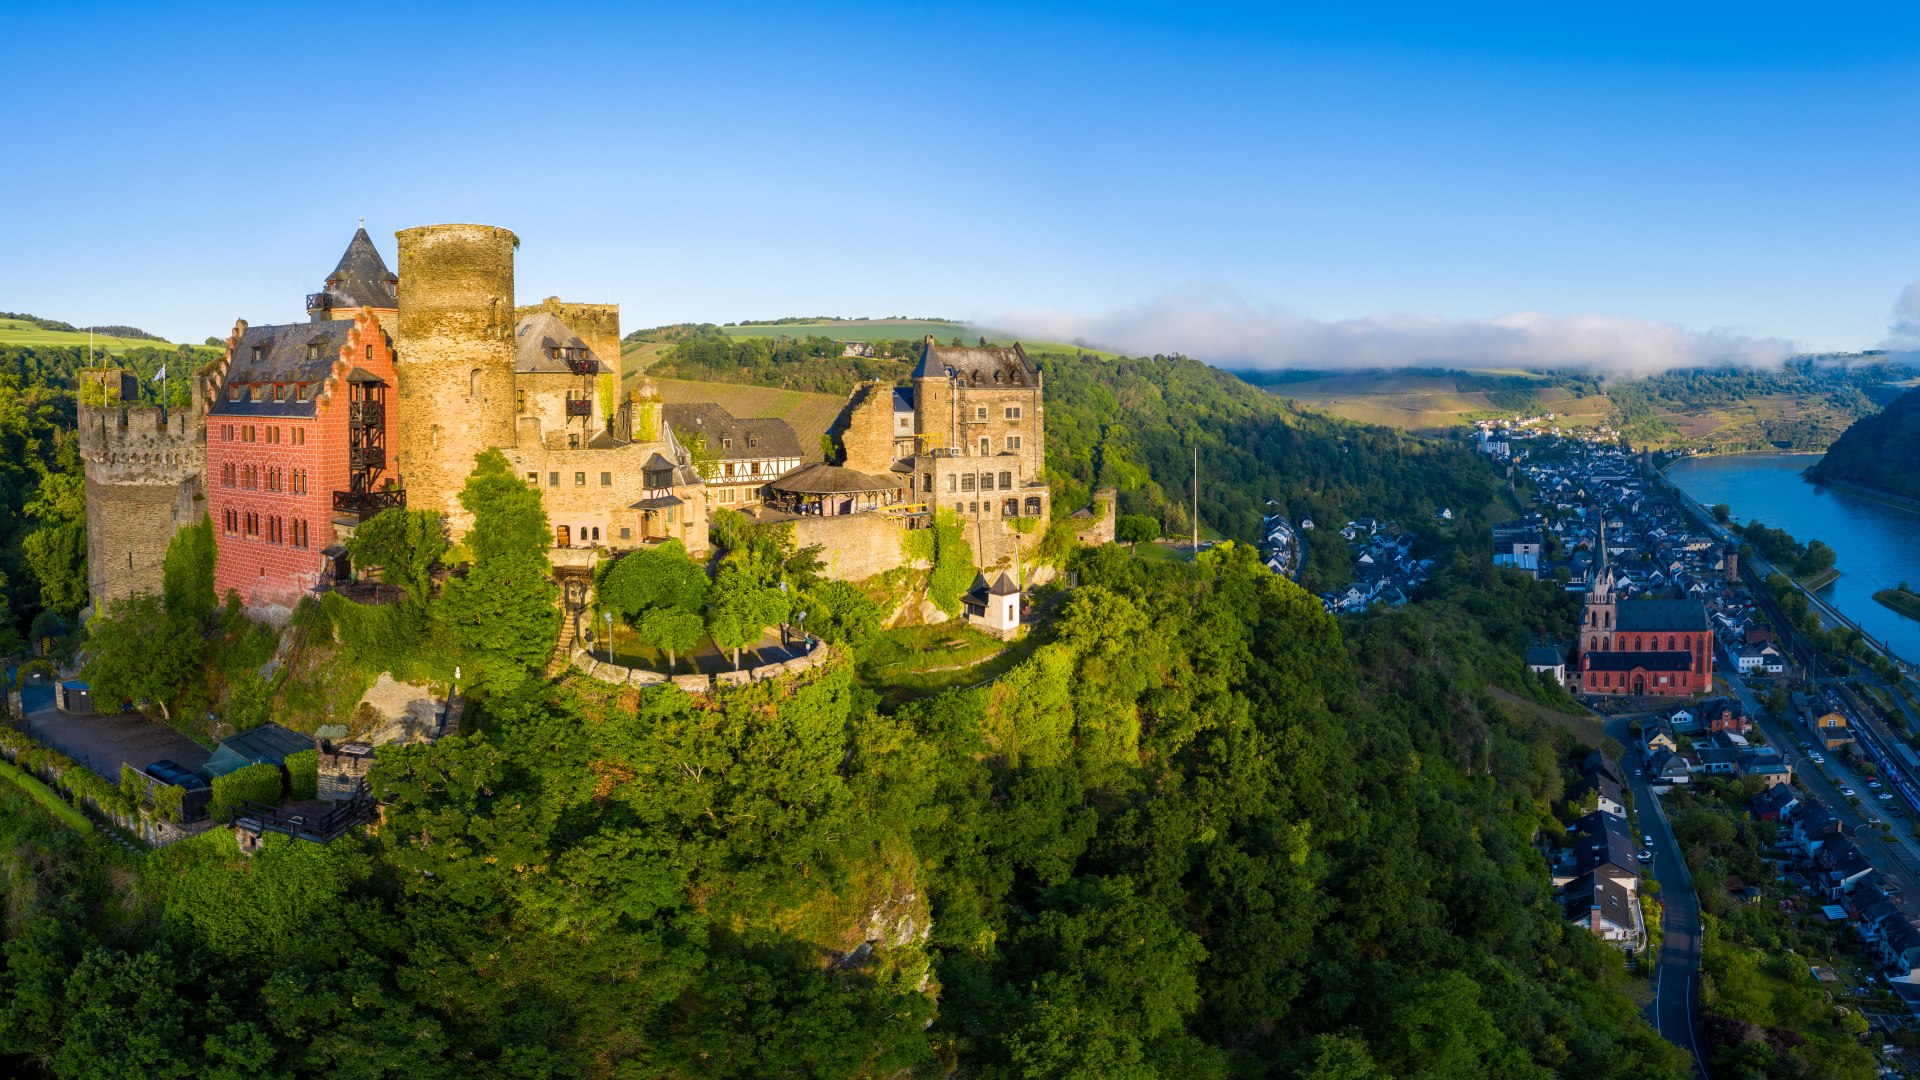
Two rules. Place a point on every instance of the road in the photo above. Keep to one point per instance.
(1676, 981)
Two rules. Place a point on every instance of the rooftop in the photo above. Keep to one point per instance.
(284, 354)
(978, 365)
(362, 277)
(534, 339)
(730, 438)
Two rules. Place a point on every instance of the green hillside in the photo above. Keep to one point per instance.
(24, 333)
(1879, 451)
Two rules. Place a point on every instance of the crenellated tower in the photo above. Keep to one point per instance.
(145, 479)
(454, 353)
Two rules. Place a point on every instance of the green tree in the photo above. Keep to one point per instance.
(661, 576)
(405, 544)
(140, 653)
(186, 572)
(504, 614)
(1136, 528)
(1722, 513)
(839, 612)
(56, 548)
(672, 631)
(741, 609)
(508, 517)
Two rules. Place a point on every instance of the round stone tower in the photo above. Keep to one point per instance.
(453, 359)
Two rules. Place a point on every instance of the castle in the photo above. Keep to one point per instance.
(395, 382)
(1640, 646)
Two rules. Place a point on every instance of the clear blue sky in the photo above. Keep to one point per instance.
(1737, 169)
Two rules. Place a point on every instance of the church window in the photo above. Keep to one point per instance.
(1671, 646)
(1006, 481)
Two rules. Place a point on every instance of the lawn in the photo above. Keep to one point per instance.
(46, 797)
(15, 332)
(915, 661)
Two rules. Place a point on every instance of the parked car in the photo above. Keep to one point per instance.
(1872, 783)
(1816, 759)
(1647, 839)
(168, 772)
(1646, 856)
(1885, 796)
(1847, 791)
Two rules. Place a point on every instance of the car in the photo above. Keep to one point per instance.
(1816, 759)
(1872, 783)
(1647, 839)
(1885, 796)
(169, 772)
(1646, 856)
(1847, 791)
(1875, 821)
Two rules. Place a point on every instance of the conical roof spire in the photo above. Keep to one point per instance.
(362, 279)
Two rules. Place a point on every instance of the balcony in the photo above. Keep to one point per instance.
(365, 504)
(319, 301)
(583, 365)
(366, 457)
(579, 408)
(366, 413)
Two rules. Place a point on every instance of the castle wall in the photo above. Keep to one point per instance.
(455, 364)
(144, 482)
(868, 438)
(855, 547)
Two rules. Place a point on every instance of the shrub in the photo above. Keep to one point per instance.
(249, 783)
(303, 773)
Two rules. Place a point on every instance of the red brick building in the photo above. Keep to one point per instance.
(297, 431)
(1642, 647)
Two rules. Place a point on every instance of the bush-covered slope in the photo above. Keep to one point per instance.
(1881, 452)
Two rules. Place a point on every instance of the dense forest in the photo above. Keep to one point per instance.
(1196, 833)
(1879, 452)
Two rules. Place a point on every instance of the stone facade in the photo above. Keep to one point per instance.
(145, 480)
(866, 440)
(854, 546)
(455, 359)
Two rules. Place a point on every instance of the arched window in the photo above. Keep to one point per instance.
(1671, 646)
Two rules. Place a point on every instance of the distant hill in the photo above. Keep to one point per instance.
(21, 329)
(1878, 452)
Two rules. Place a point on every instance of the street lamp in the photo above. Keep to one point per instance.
(609, 616)
(783, 622)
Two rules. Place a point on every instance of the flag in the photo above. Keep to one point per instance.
(162, 373)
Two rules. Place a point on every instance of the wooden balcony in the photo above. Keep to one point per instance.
(365, 504)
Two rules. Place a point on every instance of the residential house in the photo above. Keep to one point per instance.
(1768, 766)
(1602, 906)
(1839, 864)
(1777, 803)
(1831, 729)
(1723, 714)
(1812, 826)
(1604, 846)
(1667, 767)
(1548, 658)
(1657, 734)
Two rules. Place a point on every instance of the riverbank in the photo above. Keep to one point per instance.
(1905, 603)
(1865, 492)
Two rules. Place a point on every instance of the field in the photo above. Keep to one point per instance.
(1422, 402)
(15, 332)
(810, 414)
(902, 330)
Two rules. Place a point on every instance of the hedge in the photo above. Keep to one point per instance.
(303, 773)
(44, 795)
(68, 776)
(249, 783)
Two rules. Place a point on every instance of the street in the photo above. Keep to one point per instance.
(1677, 965)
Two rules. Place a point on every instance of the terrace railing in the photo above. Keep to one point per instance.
(367, 503)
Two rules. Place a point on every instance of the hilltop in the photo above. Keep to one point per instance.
(1878, 452)
(1803, 405)
(31, 330)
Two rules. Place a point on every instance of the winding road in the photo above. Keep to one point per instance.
(1676, 980)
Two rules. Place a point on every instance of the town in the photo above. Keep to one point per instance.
(1818, 767)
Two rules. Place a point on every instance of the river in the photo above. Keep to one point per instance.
(1876, 546)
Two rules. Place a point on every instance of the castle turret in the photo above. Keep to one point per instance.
(359, 282)
(145, 470)
(454, 358)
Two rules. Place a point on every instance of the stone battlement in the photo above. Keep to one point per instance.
(137, 444)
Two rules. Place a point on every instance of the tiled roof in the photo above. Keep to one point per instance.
(533, 339)
(362, 277)
(1631, 615)
(977, 365)
(290, 353)
(730, 438)
(1628, 661)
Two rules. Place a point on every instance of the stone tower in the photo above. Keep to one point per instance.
(145, 479)
(454, 359)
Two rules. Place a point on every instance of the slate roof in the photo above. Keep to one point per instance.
(534, 335)
(1651, 661)
(1777, 800)
(770, 437)
(281, 354)
(1545, 656)
(977, 364)
(820, 479)
(362, 277)
(1602, 839)
(1632, 615)
(1591, 890)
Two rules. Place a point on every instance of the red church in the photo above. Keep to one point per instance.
(1642, 647)
(297, 426)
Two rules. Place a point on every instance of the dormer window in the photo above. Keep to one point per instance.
(259, 354)
(726, 444)
(233, 392)
(259, 392)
